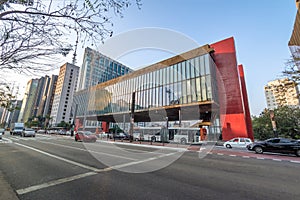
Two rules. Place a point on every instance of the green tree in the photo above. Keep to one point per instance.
(287, 123)
(262, 126)
(64, 124)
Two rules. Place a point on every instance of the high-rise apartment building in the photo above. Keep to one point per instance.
(97, 68)
(28, 103)
(64, 91)
(46, 95)
(281, 92)
(37, 98)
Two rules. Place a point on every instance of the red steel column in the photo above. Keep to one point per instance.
(246, 103)
(232, 113)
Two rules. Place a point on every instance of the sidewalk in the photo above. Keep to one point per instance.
(6, 192)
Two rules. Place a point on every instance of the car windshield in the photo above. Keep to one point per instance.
(29, 129)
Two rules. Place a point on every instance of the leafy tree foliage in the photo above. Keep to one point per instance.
(262, 126)
(287, 123)
(32, 32)
(64, 124)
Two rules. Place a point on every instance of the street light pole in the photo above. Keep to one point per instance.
(272, 116)
(132, 117)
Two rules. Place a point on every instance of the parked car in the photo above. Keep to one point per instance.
(41, 131)
(28, 132)
(138, 136)
(1, 132)
(237, 142)
(119, 136)
(85, 136)
(276, 145)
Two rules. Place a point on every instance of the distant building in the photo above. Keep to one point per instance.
(64, 91)
(281, 92)
(46, 95)
(28, 103)
(98, 68)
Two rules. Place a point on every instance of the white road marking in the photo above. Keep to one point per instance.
(246, 156)
(260, 158)
(59, 158)
(294, 161)
(101, 153)
(232, 155)
(72, 178)
(53, 183)
(5, 140)
(220, 154)
(276, 159)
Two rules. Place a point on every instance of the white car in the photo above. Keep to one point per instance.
(28, 132)
(237, 142)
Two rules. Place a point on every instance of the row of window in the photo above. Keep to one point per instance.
(183, 83)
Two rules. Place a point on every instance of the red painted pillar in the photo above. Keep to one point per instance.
(105, 127)
(232, 113)
(246, 103)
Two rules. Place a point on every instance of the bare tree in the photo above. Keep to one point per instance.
(6, 96)
(33, 32)
(292, 69)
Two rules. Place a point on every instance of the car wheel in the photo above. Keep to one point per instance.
(258, 150)
(182, 141)
(228, 146)
(298, 152)
(153, 139)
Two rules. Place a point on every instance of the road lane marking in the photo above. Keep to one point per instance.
(246, 156)
(294, 161)
(6, 140)
(142, 161)
(276, 159)
(101, 153)
(53, 183)
(72, 178)
(59, 158)
(232, 155)
(220, 154)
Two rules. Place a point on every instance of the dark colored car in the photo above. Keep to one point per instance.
(85, 136)
(119, 136)
(276, 145)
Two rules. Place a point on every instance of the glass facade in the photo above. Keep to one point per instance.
(187, 82)
(97, 68)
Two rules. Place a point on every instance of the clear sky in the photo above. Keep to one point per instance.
(261, 28)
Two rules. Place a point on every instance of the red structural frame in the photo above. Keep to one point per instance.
(234, 109)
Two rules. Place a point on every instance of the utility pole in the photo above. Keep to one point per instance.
(272, 116)
(132, 117)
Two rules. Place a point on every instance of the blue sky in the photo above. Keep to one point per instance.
(261, 28)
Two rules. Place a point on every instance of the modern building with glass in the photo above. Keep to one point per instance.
(201, 86)
(97, 68)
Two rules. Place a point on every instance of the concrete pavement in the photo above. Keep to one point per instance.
(6, 192)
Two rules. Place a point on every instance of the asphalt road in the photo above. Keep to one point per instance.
(54, 167)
